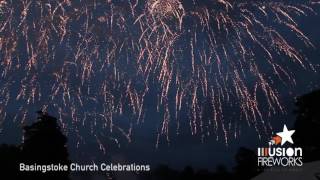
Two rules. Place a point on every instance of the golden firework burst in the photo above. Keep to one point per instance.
(165, 8)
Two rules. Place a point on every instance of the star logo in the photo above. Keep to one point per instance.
(286, 135)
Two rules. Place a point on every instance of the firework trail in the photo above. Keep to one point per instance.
(94, 61)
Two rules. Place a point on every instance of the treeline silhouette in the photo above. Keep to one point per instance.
(44, 143)
(245, 169)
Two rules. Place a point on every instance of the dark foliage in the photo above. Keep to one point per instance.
(307, 125)
(245, 169)
(43, 144)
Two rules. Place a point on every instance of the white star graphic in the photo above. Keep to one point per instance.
(286, 135)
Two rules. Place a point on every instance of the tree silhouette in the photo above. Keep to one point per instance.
(307, 125)
(43, 144)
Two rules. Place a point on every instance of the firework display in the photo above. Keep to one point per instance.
(95, 61)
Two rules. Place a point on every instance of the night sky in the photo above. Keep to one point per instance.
(183, 149)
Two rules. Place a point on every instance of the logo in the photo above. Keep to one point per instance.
(279, 152)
